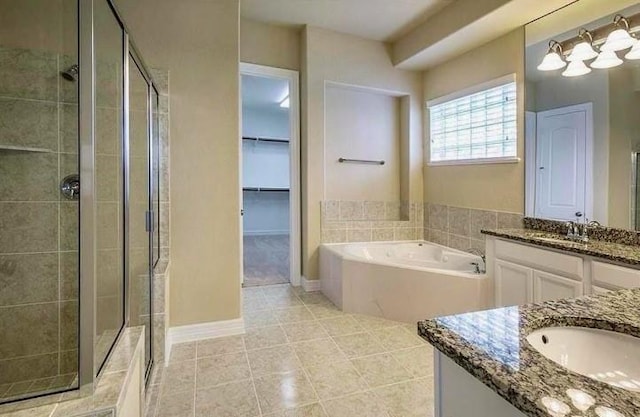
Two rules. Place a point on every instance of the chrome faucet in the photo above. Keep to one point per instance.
(573, 230)
(482, 256)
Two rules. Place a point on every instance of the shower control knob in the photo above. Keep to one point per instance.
(70, 187)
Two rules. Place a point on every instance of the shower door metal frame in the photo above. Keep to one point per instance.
(131, 52)
(88, 247)
(87, 369)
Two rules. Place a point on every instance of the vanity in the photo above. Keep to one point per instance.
(530, 266)
(564, 338)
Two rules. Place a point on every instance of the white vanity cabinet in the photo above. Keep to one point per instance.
(513, 283)
(548, 287)
(525, 273)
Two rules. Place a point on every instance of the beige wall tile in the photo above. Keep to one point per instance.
(28, 176)
(459, 221)
(359, 235)
(69, 276)
(20, 340)
(29, 73)
(438, 217)
(351, 210)
(69, 139)
(108, 133)
(28, 227)
(30, 367)
(28, 278)
(330, 210)
(392, 210)
(374, 210)
(404, 233)
(482, 219)
(439, 237)
(69, 325)
(334, 236)
(29, 123)
(382, 234)
(459, 242)
(510, 220)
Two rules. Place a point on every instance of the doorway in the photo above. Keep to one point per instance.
(563, 163)
(270, 172)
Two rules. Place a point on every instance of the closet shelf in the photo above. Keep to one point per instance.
(271, 140)
(266, 189)
(12, 148)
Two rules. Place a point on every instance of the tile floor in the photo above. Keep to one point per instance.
(266, 260)
(300, 357)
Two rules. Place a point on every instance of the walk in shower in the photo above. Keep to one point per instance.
(78, 193)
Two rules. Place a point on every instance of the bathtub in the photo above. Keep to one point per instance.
(403, 281)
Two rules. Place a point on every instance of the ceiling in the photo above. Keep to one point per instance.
(381, 20)
(263, 92)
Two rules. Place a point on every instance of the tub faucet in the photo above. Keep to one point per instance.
(482, 256)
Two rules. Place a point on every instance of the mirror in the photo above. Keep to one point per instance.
(582, 106)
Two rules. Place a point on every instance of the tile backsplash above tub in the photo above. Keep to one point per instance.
(459, 227)
(366, 221)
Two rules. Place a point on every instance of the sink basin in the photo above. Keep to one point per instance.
(606, 356)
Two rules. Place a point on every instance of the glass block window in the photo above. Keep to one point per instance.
(476, 127)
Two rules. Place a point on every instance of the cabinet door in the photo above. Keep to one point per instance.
(553, 287)
(514, 284)
(599, 290)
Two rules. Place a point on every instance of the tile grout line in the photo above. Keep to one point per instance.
(253, 382)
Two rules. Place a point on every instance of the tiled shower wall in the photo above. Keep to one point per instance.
(459, 227)
(39, 243)
(365, 221)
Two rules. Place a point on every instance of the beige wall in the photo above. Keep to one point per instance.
(362, 125)
(198, 42)
(491, 187)
(271, 45)
(333, 57)
(624, 125)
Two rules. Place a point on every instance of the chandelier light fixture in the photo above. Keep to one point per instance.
(620, 38)
(575, 69)
(606, 59)
(553, 59)
(584, 50)
(597, 48)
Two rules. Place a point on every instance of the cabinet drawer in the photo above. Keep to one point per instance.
(541, 259)
(614, 275)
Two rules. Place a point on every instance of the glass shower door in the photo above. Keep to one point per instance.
(39, 226)
(140, 218)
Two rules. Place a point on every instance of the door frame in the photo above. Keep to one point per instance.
(532, 157)
(295, 229)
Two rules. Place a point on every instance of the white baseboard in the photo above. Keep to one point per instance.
(310, 284)
(201, 331)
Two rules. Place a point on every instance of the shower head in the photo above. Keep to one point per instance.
(71, 73)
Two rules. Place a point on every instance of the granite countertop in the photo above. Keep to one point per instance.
(618, 252)
(491, 345)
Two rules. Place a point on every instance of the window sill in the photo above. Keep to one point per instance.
(484, 161)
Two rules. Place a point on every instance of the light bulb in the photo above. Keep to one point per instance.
(551, 61)
(606, 59)
(582, 52)
(618, 40)
(634, 53)
(575, 69)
